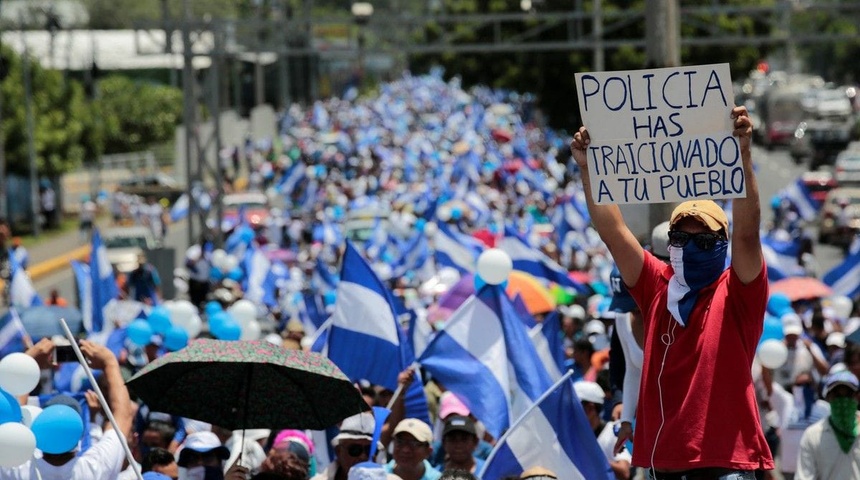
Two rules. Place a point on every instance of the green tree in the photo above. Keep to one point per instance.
(133, 116)
(60, 114)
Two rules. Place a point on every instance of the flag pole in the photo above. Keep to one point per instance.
(537, 402)
(399, 389)
(102, 400)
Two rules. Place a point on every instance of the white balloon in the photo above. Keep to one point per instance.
(180, 284)
(444, 213)
(251, 331)
(244, 311)
(29, 413)
(184, 314)
(430, 229)
(218, 257)
(19, 373)
(230, 262)
(842, 306)
(17, 444)
(772, 353)
(494, 266)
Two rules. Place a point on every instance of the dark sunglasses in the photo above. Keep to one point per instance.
(356, 450)
(704, 241)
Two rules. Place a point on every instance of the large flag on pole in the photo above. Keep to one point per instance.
(364, 338)
(548, 342)
(455, 249)
(484, 355)
(554, 433)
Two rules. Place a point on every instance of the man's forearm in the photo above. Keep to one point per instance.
(607, 219)
(118, 398)
(746, 212)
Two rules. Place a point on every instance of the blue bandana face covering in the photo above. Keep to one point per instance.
(694, 269)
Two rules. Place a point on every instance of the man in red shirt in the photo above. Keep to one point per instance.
(697, 416)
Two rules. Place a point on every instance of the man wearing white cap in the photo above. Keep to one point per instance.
(702, 324)
(592, 397)
(351, 446)
(829, 448)
(804, 356)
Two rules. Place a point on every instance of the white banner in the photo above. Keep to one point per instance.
(661, 135)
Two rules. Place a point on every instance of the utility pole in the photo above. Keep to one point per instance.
(188, 114)
(31, 145)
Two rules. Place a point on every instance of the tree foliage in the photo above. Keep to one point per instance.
(60, 113)
(133, 116)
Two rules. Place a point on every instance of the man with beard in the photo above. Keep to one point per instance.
(702, 325)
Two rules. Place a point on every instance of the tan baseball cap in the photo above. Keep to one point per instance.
(538, 472)
(706, 211)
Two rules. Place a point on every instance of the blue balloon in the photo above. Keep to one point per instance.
(159, 319)
(329, 297)
(10, 410)
(236, 274)
(772, 329)
(216, 320)
(213, 307)
(176, 338)
(420, 224)
(57, 429)
(479, 282)
(456, 213)
(139, 332)
(778, 303)
(229, 330)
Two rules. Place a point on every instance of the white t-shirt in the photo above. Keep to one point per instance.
(607, 439)
(103, 461)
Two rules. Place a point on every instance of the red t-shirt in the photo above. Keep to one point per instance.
(711, 415)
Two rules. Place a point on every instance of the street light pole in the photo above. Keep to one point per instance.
(361, 13)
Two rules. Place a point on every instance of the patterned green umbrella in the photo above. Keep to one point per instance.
(248, 384)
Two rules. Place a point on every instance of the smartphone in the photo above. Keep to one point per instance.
(64, 354)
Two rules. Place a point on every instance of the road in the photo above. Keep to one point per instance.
(775, 170)
(63, 281)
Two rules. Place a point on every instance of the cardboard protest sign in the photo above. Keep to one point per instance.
(661, 135)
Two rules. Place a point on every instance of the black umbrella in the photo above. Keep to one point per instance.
(248, 384)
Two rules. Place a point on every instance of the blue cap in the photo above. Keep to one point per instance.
(622, 301)
(155, 476)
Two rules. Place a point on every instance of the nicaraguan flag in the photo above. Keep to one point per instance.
(844, 278)
(523, 311)
(548, 342)
(365, 340)
(22, 293)
(180, 208)
(276, 277)
(455, 249)
(529, 260)
(571, 214)
(12, 333)
(485, 356)
(103, 283)
(554, 433)
(801, 197)
(781, 256)
(324, 277)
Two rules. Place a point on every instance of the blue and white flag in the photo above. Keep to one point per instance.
(531, 261)
(259, 268)
(12, 333)
(365, 339)
(554, 433)
(323, 277)
(455, 249)
(549, 344)
(103, 284)
(22, 293)
(291, 178)
(781, 257)
(801, 197)
(485, 356)
(844, 278)
(571, 214)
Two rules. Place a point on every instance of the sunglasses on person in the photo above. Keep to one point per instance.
(355, 450)
(704, 241)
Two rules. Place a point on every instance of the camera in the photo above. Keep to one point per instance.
(64, 352)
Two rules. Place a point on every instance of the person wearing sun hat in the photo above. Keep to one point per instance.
(351, 446)
(829, 448)
(412, 446)
(702, 324)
